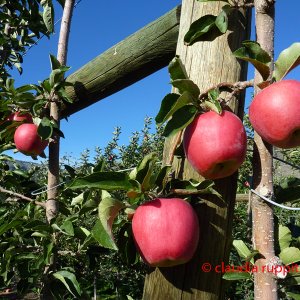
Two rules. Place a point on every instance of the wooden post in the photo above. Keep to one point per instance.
(139, 55)
(207, 64)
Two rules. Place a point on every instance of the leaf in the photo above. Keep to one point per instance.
(102, 180)
(252, 52)
(288, 190)
(180, 119)
(55, 64)
(290, 255)
(241, 248)
(162, 177)
(222, 18)
(287, 60)
(68, 228)
(166, 105)
(169, 109)
(48, 248)
(56, 77)
(177, 69)
(186, 85)
(45, 129)
(102, 237)
(284, 237)
(108, 210)
(293, 295)
(48, 17)
(70, 282)
(199, 28)
(213, 102)
(236, 276)
(145, 171)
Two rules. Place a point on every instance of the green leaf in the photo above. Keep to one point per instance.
(55, 64)
(252, 52)
(48, 17)
(213, 102)
(184, 99)
(241, 248)
(70, 282)
(293, 295)
(222, 18)
(56, 77)
(180, 119)
(102, 180)
(236, 276)
(48, 248)
(45, 129)
(108, 210)
(7, 226)
(288, 190)
(287, 60)
(186, 85)
(145, 171)
(67, 227)
(199, 28)
(284, 237)
(77, 200)
(290, 255)
(102, 237)
(177, 69)
(166, 105)
(162, 177)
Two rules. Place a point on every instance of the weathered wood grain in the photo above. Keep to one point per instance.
(132, 59)
(207, 64)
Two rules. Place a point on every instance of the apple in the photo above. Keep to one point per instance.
(20, 117)
(28, 141)
(215, 144)
(275, 114)
(166, 231)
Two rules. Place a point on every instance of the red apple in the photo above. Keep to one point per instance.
(275, 114)
(20, 117)
(215, 145)
(28, 141)
(166, 232)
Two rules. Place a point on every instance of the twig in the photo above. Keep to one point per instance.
(22, 197)
(236, 87)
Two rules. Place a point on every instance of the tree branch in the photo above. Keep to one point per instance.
(21, 197)
(236, 87)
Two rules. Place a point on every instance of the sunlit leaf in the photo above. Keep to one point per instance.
(287, 60)
(252, 52)
(199, 28)
(177, 69)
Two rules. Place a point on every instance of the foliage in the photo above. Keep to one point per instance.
(22, 23)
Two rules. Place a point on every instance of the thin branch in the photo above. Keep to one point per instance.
(21, 197)
(236, 87)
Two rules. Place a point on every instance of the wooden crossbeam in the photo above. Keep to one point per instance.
(139, 55)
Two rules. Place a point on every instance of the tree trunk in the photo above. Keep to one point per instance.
(207, 64)
(265, 285)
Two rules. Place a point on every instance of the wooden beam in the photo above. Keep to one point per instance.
(132, 59)
(207, 64)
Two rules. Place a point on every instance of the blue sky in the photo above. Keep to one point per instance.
(98, 25)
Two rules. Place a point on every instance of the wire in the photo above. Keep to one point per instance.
(55, 23)
(273, 202)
